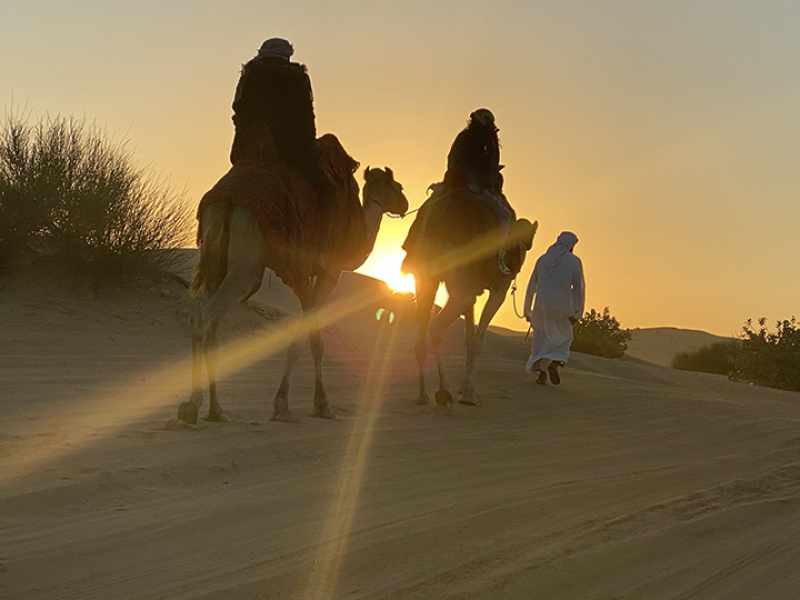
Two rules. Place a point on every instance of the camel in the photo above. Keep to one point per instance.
(238, 241)
(458, 246)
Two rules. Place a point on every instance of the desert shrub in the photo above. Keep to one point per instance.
(599, 333)
(719, 358)
(68, 193)
(770, 358)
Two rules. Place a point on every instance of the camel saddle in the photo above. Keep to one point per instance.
(285, 206)
(449, 219)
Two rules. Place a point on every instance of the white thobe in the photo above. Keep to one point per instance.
(560, 293)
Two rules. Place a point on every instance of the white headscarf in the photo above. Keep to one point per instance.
(564, 244)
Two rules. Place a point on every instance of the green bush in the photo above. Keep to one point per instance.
(69, 194)
(718, 358)
(769, 358)
(600, 334)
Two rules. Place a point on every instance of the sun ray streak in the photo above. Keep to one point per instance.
(174, 380)
(337, 529)
(170, 383)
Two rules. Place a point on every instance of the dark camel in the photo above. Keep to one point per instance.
(234, 252)
(458, 246)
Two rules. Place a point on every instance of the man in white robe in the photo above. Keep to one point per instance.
(558, 284)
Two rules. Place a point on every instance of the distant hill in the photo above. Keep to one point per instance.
(658, 345)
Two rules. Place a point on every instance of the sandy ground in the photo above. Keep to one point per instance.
(628, 481)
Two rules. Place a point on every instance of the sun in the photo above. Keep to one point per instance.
(386, 266)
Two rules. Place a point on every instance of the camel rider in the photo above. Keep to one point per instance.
(474, 158)
(274, 95)
(473, 163)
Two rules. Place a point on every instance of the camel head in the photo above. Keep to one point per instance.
(522, 234)
(381, 189)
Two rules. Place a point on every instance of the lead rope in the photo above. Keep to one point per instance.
(411, 212)
(516, 310)
(514, 299)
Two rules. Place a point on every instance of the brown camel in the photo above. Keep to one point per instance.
(239, 237)
(458, 245)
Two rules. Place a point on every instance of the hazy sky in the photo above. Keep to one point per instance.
(664, 134)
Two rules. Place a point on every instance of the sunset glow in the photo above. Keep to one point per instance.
(386, 266)
(685, 135)
(220, 382)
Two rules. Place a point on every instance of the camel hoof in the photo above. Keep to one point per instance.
(445, 410)
(423, 400)
(444, 398)
(323, 412)
(187, 413)
(284, 417)
(469, 401)
(217, 417)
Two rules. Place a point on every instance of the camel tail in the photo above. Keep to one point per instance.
(213, 234)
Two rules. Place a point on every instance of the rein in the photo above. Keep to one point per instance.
(514, 299)
(410, 212)
(516, 311)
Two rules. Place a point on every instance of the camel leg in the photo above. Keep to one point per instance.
(455, 307)
(322, 291)
(189, 411)
(322, 408)
(496, 298)
(215, 412)
(197, 352)
(281, 410)
(426, 293)
(310, 299)
(245, 268)
(235, 287)
(468, 395)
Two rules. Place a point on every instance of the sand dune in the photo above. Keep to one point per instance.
(659, 345)
(629, 481)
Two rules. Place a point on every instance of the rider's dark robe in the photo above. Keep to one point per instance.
(275, 96)
(473, 168)
(474, 159)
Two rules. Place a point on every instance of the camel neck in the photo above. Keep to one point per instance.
(373, 214)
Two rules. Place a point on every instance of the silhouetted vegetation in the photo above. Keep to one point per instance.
(769, 358)
(599, 333)
(72, 196)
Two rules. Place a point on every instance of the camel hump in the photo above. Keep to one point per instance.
(213, 233)
(348, 238)
(337, 164)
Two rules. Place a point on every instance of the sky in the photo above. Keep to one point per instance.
(664, 134)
